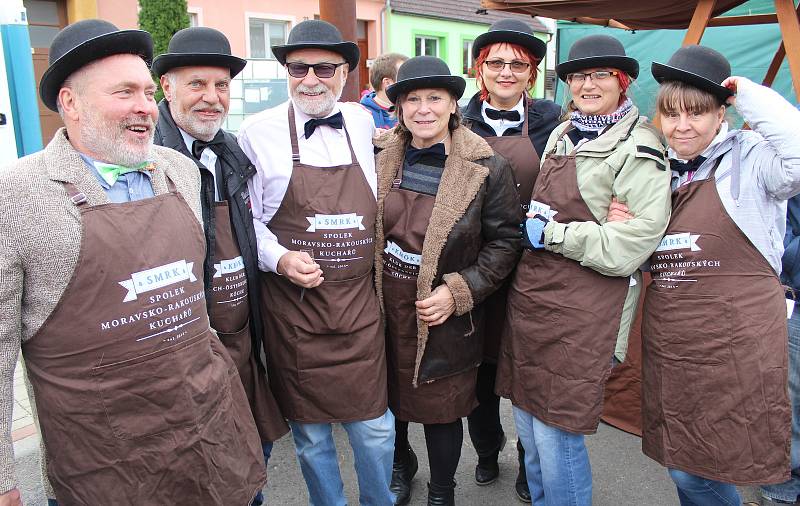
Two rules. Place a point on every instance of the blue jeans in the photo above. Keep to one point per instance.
(556, 462)
(696, 491)
(789, 491)
(373, 449)
(257, 501)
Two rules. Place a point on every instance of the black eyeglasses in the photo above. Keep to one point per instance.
(321, 70)
(597, 75)
(517, 66)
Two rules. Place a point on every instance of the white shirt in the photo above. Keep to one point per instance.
(264, 137)
(208, 158)
(501, 125)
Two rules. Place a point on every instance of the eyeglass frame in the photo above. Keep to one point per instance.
(314, 66)
(592, 75)
(510, 65)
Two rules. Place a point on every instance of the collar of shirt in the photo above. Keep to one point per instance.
(208, 158)
(500, 125)
(90, 162)
(300, 119)
(678, 179)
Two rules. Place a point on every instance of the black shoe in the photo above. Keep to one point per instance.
(487, 470)
(402, 473)
(521, 485)
(441, 495)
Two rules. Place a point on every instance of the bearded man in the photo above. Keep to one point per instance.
(314, 210)
(101, 287)
(196, 73)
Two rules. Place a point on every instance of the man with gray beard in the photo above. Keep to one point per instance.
(314, 211)
(196, 73)
(100, 255)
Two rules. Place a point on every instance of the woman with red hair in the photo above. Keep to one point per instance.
(574, 292)
(517, 127)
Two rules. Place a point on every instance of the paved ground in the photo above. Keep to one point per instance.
(622, 474)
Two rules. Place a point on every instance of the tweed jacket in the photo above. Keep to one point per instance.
(39, 247)
(472, 244)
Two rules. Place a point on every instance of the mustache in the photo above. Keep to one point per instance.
(319, 88)
(139, 120)
(209, 108)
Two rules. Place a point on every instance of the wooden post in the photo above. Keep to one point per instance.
(790, 33)
(342, 14)
(700, 18)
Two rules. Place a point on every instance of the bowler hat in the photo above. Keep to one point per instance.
(512, 31)
(318, 34)
(425, 72)
(198, 46)
(597, 51)
(698, 66)
(83, 42)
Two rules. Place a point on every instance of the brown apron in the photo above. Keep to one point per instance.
(229, 312)
(562, 320)
(325, 345)
(138, 401)
(524, 160)
(714, 385)
(406, 215)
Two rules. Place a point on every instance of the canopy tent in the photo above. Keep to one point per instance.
(695, 15)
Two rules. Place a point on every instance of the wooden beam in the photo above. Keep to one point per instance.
(755, 19)
(612, 23)
(700, 18)
(772, 71)
(342, 14)
(790, 33)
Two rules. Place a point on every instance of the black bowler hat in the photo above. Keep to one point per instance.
(83, 42)
(318, 34)
(597, 51)
(198, 47)
(511, 31)
(698, 66)
(425, 72)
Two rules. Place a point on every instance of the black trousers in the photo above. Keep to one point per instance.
(444, 448)
(485, 429)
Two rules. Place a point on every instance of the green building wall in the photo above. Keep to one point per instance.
(403, 30)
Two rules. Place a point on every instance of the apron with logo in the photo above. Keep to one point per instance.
(524, 161)
(139, 403)
(562, 319)
(406, 214)
(714, 370)
(325, 345)
(229, 313)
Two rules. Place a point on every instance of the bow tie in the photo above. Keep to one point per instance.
(414, 155)
(215, 144)
(110, 172)
(683, 167)
(334, 121)
(504, 115)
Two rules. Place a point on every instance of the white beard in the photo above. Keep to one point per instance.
(315, 108)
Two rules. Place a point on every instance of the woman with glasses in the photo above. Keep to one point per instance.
(573, 295)
(447, 235)
(715, 409)
(516, 127)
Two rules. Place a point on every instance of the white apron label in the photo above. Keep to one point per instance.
(679, 241)
(397, 252)
(543, 209)
(228, 266)
(334, 222)
(157, 277)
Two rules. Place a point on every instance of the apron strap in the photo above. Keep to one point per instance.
(566, 130)
(76, 196)
(525, 115)
(296, 147)
(735, 172)
(170, 185)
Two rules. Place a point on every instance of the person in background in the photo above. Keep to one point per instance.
(313, 200)
(195, 74)
(447, 235)
(101, 287)
(715, 409)
(574, 292)
(516, 127)
(382, 74)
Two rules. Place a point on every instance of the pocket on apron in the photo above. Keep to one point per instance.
(238, 344)
(170, 388)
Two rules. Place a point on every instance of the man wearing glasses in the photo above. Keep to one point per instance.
(314, 207)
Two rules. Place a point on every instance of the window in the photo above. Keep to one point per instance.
(45, 20)
(466, 49)
(194, 19)
(263, 34)
(426, 46)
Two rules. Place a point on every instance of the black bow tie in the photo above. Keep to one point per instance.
(334, 121)
(504, 115)
(683, 167)
(216, 144)
(414, 155)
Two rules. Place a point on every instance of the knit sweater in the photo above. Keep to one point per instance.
(39, 247)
